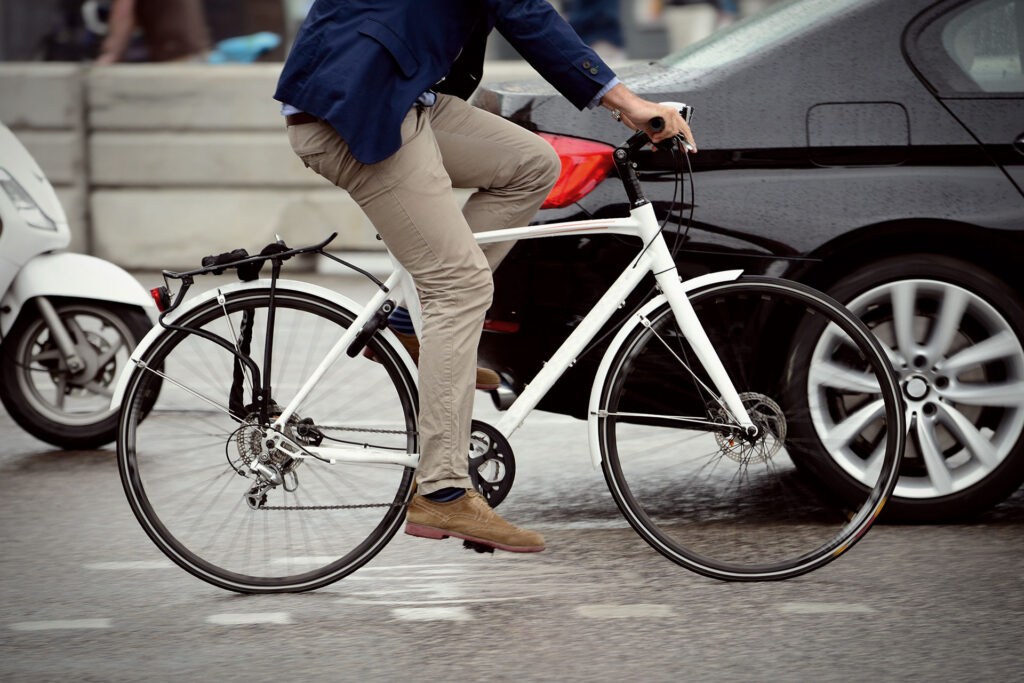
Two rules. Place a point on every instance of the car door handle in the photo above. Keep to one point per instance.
(1018, 144)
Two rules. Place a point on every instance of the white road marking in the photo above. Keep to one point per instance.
(623, 611)
(406, 577)
(599, 524)
(443, 601)
(431, 614)
(138, 564)
(249, 618)
(415, 566)
(824, 608)
(438, 590)
(317, 560)
(60, 625)
(327, 559)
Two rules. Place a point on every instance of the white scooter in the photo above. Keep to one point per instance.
(68, 322)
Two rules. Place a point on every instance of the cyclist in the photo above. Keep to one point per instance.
(373, 94)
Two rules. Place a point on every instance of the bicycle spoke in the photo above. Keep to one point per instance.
(707, 495)
(252, 520)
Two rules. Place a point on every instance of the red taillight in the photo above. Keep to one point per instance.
(584, 164)
(161, 298)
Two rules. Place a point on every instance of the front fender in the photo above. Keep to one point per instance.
(75, 276)
(620, 338)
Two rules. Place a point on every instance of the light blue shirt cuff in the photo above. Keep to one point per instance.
(603, 91)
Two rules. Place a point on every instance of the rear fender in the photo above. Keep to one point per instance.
(183, 311)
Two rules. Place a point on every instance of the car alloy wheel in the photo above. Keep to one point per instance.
(954, 338)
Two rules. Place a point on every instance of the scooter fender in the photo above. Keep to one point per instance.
(75, 276)
(620, 338)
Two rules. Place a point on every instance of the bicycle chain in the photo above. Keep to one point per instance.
(331, 507)
(371, 430)
(357, 506)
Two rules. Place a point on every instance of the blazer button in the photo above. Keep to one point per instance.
(593, 70)
(586, 65)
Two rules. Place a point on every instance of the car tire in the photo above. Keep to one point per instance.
(956, 339)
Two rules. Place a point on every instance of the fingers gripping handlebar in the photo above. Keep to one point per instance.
(657, 124)
(622, 155)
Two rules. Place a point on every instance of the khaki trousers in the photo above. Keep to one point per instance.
(408, 197)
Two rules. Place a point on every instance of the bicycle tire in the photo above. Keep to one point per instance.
(721, 506)
(180, 465)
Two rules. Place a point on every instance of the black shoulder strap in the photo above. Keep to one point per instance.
(464, 76)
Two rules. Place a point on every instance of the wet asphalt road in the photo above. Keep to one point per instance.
(87, 596)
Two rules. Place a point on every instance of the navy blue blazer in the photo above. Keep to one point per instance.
(361, 64)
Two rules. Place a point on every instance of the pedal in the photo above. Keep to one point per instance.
(479, 547)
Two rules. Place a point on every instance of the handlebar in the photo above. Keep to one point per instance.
(657, 124)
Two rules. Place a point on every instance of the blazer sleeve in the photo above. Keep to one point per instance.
(551, 46)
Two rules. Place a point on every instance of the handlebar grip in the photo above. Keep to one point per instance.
(657, 124)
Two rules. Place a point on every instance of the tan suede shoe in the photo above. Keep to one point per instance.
(468, 517)
(486, 379)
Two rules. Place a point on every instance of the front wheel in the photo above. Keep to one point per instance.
(69, 409)
(200, 478)
(703, 493)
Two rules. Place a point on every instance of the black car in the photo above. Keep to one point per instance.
(873, 149)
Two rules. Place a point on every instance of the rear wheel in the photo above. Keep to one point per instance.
(701, 492)
(208, 492)
(956, 338)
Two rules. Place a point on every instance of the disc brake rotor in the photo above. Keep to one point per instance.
(767, 416)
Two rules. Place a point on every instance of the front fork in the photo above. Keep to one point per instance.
(60, 335)
(667, 277)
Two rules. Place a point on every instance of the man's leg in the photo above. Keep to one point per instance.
(513, 168)
(409, 199)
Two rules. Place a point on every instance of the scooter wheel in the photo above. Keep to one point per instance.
(68, 409)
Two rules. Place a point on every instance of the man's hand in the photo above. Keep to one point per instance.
(636, 112)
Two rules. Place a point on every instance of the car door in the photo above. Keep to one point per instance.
(971, 53)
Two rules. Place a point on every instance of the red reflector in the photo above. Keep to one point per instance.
(500, 325)
(585, 163)
(160, 297)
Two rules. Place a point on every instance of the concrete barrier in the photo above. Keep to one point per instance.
(44, 105)
(160, 164)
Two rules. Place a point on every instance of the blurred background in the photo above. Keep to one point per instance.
(149, 158)
(75, 30)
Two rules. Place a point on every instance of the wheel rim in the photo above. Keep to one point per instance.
(104, 342)
(961, 370)
(705, 500)
(304, 539)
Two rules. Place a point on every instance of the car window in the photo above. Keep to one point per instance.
(971, 48)
(753, 35)
(985, 42)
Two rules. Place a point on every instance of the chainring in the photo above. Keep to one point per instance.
(492, 467)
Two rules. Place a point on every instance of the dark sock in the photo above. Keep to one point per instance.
(400, 321)
(445, 495)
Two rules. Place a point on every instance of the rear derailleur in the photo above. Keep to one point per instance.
(260, 461)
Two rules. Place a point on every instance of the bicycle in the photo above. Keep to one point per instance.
(290, 474)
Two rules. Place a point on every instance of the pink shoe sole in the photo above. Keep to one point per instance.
(438, 534)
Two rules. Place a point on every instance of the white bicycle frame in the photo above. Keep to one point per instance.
(654, 258)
